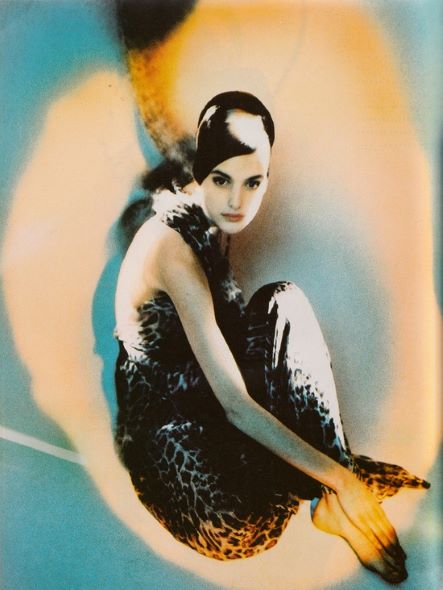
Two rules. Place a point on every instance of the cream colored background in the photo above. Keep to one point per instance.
(348, 217)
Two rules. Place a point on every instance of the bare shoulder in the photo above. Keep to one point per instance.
(159, 260)
(155, 249)
(177, 263)
(155, 242)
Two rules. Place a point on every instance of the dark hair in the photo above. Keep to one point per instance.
(215, 143)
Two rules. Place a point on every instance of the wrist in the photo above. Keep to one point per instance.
(343, 478)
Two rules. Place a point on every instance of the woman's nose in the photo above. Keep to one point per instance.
(235, 199)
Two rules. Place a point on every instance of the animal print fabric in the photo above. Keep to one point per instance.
(210, 485)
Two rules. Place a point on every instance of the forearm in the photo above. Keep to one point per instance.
(261, 425)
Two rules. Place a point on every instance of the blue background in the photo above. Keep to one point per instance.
(56, 531)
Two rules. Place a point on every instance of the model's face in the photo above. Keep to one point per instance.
(233, 191)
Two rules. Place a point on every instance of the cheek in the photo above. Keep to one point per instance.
(256, 200)
(215, 200)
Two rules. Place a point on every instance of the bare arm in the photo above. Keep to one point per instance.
(182, 277)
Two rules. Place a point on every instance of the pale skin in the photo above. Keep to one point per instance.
(159, 260)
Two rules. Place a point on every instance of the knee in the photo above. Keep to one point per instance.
(282, 293)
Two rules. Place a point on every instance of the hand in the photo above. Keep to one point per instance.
(361, 507)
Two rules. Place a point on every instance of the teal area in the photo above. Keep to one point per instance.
(44, 47)
(56, 530)
(103, 324)
(58, 533)
(416, 34)
(324, 237)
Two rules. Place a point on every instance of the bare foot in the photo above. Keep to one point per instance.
(330, 518)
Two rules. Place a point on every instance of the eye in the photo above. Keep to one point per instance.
(253, 183)
(219, 180)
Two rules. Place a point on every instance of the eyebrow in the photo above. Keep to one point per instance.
(217, 171)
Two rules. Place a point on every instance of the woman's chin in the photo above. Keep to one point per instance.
(231, 227)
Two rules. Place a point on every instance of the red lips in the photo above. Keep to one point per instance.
(232, 216)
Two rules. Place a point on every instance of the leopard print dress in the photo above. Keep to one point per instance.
(209, 484)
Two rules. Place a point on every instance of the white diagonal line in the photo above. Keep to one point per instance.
(40, 445)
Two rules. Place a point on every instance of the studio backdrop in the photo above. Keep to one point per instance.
(92, 97)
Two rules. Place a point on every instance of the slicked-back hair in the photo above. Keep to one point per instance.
(214, 141)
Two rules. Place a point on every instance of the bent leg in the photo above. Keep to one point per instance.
(299, 385)
(285, 337)
(300, 391)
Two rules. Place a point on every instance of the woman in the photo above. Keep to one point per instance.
(228, 414)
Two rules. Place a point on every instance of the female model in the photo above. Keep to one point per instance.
(228, 414)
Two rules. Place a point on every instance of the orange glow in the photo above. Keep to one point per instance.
(345, 147)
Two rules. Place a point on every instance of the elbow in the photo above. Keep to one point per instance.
(237, 415)
(232, 415)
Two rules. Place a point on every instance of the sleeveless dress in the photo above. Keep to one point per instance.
(213, 487)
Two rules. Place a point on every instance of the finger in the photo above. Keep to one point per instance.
(394, 560)
(387, 536)
(394, 548)
(379, 517)
(388, 546)
(387, 556)
(371, 526)
(383, 532)
(374, 524)
(367, 528)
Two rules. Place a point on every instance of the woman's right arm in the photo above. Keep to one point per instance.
(181, 276)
